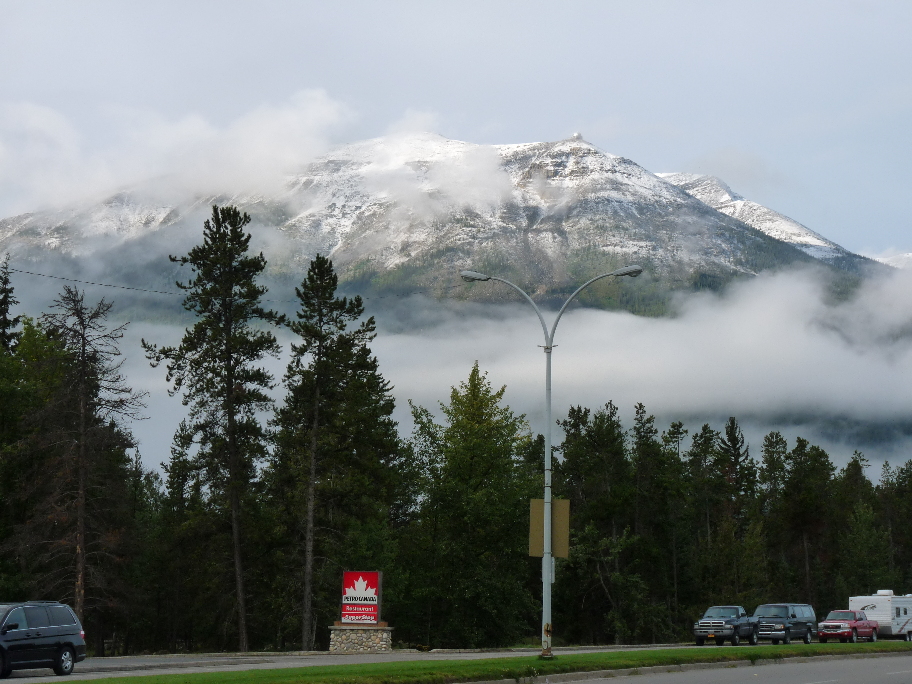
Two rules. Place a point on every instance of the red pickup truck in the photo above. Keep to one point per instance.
(847, 625)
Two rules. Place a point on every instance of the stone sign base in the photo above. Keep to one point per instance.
(360, 638)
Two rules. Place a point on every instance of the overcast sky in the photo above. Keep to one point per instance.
(802, 106)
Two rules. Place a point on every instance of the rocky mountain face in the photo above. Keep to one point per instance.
(406, 213)
(719, 196)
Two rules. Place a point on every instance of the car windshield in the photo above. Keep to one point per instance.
(771, 611)
(841, 615)
(721, 612)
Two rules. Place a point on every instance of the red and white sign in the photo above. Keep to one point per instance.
(361, 597)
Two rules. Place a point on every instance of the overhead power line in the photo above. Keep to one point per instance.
(182, 294)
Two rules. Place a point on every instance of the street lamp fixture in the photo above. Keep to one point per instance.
(547, 559)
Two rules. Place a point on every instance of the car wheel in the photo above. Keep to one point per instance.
(775, 642)
(63, 664)
(808, 636)
(874, 636)
(700, 641)
(854, 637)
(787, 639)
(5, 670)
(907, 636)
(736, 639)
(842, 640)
(719, 642)
(753, 639)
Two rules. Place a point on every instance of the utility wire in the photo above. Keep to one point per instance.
(88, 282)
(181, 294)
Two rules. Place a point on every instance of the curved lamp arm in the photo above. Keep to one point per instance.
(541, 318)
(476, 277)
(632, 271)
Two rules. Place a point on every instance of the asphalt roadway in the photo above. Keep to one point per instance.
(870, 669)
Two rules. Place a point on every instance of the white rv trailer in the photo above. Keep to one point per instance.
(893, 613)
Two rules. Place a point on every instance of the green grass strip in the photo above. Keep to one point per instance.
(513, 669)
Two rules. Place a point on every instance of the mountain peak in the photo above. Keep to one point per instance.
(410, 210)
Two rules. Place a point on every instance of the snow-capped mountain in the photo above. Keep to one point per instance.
(719, 196)
(410, 211)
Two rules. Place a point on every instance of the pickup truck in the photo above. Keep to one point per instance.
(847, 625)
(725, 623)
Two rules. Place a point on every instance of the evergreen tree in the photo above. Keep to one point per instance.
(704, 480)
(217, 367)
(337, 440)
(808, 504)
(738, 469)
(468, 546)
(595, 473)
(96, 395)
(598, 590)
(8, 336)
(678, 524)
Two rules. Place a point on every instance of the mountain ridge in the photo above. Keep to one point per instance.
(409, 211)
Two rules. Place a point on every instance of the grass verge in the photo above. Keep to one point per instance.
(510, 669)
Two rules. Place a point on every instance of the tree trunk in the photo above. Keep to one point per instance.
(79, 598)
(708, 528)
(674, 567)
(307, 636)
(807, 566)
(238, 569)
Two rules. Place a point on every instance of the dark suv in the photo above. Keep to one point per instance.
(785, 621)
(39, 634)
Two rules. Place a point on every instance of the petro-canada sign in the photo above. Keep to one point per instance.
(361, 597)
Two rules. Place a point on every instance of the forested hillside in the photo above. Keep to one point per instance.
(242, 541)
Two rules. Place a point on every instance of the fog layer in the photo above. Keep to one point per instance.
(772, 351)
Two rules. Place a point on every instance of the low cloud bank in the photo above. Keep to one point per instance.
(771, 351)
(774, 351)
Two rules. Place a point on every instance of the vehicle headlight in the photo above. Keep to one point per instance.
(844, 625)
(779, 626)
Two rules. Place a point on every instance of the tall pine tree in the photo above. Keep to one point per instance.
(218, 367)
(337, 441)
(8, 323)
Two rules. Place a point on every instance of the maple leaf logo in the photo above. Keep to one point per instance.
(360, 588)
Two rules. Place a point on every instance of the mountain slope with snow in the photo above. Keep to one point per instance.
(409, 211)
(719, 196)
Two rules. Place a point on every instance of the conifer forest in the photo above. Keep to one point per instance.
(239, 543)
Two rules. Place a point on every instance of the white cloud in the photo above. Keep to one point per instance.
(773, 352)
(44, 161)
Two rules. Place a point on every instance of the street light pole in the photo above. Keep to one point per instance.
(547, 558)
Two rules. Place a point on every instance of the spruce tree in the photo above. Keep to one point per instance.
(217, 366)
(337, 440)
(738, 469)
(8, 336)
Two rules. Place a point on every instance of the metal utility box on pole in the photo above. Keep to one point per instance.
(560, 528)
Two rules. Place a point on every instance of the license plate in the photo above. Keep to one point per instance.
(711, 636)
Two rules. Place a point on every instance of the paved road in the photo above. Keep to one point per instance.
(131, 666)
(881, 670)
(888, 669)
(127, 666)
